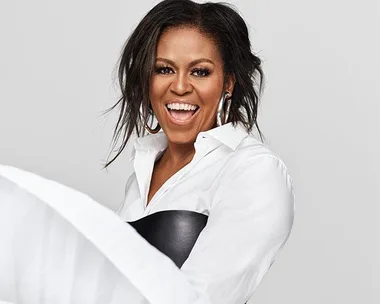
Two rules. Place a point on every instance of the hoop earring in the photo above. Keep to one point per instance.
(221, 111)
(145, 122)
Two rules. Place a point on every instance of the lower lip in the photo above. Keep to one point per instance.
(181, 122)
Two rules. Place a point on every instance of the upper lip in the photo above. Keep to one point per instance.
(181, 101)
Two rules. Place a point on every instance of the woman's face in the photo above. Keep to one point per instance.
(187, 84)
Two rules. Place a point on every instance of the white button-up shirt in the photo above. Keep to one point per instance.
(245, 190)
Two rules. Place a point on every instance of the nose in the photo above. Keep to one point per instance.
(181, 85)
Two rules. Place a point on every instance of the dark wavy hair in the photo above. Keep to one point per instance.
(224, 25)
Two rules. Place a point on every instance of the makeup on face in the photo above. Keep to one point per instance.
(187, 83)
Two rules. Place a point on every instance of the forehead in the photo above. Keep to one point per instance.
(187, 44)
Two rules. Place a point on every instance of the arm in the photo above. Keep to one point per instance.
(250, 221)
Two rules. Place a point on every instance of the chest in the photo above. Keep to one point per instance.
(162, 171)
(158, 179)
(193, 191)
(190, 188)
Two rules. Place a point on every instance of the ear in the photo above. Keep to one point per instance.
(230, 83)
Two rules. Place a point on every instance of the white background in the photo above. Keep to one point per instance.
(320, 113)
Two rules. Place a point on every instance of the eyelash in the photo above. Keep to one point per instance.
(204, 72)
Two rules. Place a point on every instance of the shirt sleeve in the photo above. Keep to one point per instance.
(250, 220)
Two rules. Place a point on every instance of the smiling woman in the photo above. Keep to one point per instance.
(189, 71)
(191, 66)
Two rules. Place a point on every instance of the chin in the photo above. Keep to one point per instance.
(181, 137)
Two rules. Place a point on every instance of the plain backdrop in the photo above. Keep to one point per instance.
(320, 113)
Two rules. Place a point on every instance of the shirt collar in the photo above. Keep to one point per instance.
(227, 135)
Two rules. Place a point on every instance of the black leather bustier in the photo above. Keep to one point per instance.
(173, 232)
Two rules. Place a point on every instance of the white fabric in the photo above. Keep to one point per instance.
(247, 193)
(58, 246)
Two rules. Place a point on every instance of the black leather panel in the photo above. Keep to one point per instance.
(173, 232)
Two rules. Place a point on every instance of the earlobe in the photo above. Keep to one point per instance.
(230, 84)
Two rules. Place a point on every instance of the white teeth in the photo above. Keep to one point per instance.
(181, 106)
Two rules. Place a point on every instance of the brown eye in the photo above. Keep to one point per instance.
(164, 70)
(201, 72)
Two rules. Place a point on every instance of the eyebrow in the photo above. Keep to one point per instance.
(194, 62)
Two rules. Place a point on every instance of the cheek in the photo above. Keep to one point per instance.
(157, 87)
(153, 87)
(211, 93)
(157, 90)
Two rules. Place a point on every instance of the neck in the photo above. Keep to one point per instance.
(178, 155)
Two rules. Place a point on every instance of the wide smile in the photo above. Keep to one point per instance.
(181, 117)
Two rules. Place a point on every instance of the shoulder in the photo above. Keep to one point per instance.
(255, 183)
(253, 167)
(252, 153)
